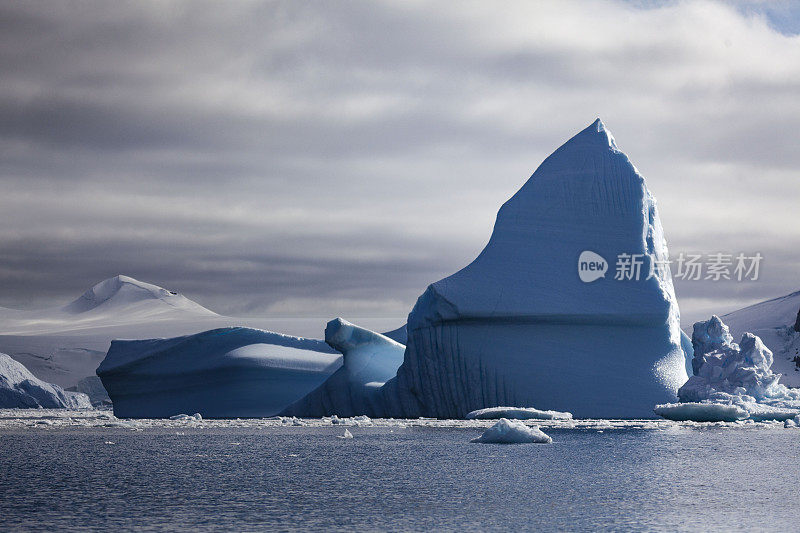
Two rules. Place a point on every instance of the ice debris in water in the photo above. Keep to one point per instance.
(512, 432)
(347, 435)
(701, 412)
(518, 413)
(730, 377)
(183, 416)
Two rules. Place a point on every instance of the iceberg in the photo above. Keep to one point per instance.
(221, 373)
(20, 389)
(731, 379)
(517, 413)
(776, 323)
(369, 360)
(513, 432)
(92, 387)
(521, 326)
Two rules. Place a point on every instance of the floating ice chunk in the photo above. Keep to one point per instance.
(347, 435)
(518, 413)
(701, 412)
(792, 422)
(761, 412)
(182, 416)
(513, 432)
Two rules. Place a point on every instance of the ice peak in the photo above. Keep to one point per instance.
(597, 134)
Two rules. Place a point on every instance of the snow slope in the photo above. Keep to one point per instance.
(222, 373)
(773, 321)
(519, 327)
(20, 389)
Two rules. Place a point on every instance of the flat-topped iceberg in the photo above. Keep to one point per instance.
(221, 373)
(513, 432)
(520, 326)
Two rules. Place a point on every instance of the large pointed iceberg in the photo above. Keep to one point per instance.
(520, 326)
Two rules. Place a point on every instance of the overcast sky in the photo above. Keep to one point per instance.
(323, 159)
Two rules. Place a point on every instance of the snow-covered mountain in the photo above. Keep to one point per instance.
(774, 322)
(115, 301)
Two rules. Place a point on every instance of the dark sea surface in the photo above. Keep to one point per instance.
(415, 478)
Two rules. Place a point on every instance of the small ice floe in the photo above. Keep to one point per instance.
(792, 422)
(188, 418)
(109, 442)
(347, 435)
(292, 421)
(362, 420)
(513, 432)
(518, 413)
(700, 412)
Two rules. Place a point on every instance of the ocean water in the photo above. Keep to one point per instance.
(398, 478)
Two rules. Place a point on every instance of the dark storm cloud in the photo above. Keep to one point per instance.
(291, 158)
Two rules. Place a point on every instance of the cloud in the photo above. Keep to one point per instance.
(268, 157)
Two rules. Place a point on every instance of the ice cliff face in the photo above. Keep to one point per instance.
(518, 326)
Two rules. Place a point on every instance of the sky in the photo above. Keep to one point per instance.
(333, 159)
